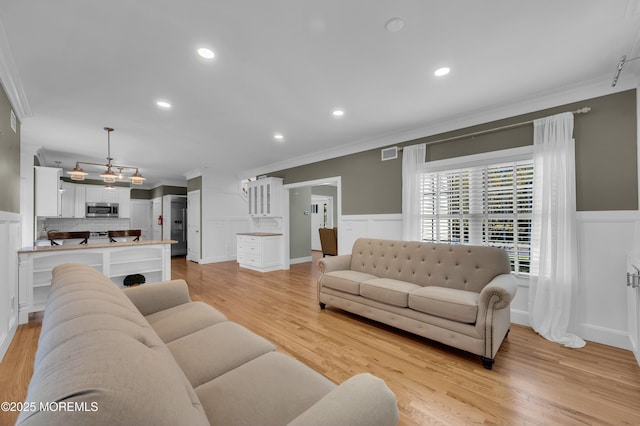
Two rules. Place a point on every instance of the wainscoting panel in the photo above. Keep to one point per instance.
(352, 227)
(10, 237)
(605, 239)
(219, 237)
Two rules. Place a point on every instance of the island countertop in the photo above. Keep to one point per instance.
(94, 246)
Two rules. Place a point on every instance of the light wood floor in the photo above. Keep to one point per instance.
(533, 381)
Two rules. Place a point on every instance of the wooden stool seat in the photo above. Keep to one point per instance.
(124, 233)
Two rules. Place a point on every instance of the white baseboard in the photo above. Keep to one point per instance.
(216, 259)
(301, 260)
(520, 317)
(5, 340)
(606, 336)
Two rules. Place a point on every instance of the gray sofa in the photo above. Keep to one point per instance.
(150, 356)
(455, 294)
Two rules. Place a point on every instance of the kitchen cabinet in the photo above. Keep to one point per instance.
(265, 197)
(47, 191)
(100, 194)
(259, 251)
(56, 198)
(68, 200)
(124, 198)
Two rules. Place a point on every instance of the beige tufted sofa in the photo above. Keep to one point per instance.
(455, 294)
(150, 356)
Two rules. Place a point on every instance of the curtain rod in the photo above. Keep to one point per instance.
(495, 129)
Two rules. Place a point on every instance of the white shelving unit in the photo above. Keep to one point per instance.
(115, 260)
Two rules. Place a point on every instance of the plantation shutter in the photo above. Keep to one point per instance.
(483, 205)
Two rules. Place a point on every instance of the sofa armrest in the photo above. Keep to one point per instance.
(500, 291)
(363, 400)
(334, 263)
(152, 298)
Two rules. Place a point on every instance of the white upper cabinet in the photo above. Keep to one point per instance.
(100, 194)
(68, 200)
(265, 197)
(47, 191)
(56, 198)
(124, 198)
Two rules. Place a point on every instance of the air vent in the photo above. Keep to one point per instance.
(389, 153)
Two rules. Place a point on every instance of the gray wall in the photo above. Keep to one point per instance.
(194, 184)
(299, 223)
(168, 190)
(9, 158)
(606, 159)
(141, 194)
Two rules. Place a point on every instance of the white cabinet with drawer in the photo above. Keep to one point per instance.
(260, 252)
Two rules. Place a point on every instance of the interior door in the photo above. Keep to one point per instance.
(193, 226)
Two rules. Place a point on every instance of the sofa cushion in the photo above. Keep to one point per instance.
(385, 290)
(96, 352)
(215, 350)
(176, 322)
(347, 281)
(273, 389)
(449, 303)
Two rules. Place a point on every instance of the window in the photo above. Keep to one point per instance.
(488, 204)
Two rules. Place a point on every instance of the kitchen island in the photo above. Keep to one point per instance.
(151, 258)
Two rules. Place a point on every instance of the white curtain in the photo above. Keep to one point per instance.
(554, 261)
(413, 163)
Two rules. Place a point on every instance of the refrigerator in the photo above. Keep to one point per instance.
(179, 226)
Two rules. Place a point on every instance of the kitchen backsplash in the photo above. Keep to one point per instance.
(93, 225)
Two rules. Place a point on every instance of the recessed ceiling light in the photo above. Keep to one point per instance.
(278, 136)
(441, 71)
(337, 113)
(163, 104)
(206, 53)
(394, 25)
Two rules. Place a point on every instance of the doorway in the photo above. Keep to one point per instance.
(297, 227)
(321, 217)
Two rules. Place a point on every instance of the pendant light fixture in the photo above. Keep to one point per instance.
(77, 173)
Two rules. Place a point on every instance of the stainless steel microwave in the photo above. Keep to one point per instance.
(101, 210)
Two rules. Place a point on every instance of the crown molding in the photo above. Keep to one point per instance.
(191, 174)
(553, 98)
(11, 79)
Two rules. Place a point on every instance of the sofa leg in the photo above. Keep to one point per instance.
(322, 305)
(508, 330)
(487, 362)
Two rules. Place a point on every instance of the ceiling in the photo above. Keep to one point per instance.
(282, 66)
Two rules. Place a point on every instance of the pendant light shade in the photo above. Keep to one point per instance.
(137, 178)
(108, 176)
(77, 173)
